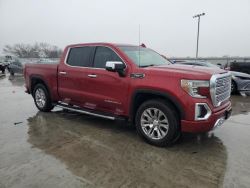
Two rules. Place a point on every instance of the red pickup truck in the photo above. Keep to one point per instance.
(134, 83)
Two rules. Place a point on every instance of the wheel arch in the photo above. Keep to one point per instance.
(36, 79)
(142, 95)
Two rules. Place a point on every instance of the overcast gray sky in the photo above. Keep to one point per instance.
(166, 25)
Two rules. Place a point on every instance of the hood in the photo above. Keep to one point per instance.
(188, 71)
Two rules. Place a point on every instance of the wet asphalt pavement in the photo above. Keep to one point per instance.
(65, 149)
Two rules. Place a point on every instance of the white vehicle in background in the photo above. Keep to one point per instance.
(240, 81)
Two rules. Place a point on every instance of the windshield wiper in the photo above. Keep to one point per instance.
(151, 65)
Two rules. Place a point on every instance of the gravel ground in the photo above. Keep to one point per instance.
(63, 149)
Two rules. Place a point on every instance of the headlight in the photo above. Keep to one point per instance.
(196, 88)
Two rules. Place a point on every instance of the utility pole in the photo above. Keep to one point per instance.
(198, 33)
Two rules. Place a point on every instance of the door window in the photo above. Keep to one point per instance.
(104, 54)
(81, 56)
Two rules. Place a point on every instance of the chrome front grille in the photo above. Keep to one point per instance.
(220, 88)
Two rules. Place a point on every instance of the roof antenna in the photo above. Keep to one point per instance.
(139, 45)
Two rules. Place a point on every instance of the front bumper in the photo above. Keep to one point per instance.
(215, 120)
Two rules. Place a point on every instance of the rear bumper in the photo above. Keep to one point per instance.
(216, 119)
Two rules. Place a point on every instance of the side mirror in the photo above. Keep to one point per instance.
(116, 66)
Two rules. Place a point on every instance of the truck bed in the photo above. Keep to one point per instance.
(47, 72)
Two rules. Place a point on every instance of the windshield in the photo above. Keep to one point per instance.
(144, 57)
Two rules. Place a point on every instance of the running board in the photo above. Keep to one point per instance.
(83, 111)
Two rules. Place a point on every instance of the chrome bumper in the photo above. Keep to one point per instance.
(222, 119)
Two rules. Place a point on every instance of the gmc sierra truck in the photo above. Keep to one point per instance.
(133, 83)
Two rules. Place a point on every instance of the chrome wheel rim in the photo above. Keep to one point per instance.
(40, 98)
(154, 123)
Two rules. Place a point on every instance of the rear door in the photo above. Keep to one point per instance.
(72, 75)
(107, 90)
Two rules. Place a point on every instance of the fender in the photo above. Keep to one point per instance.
(35, 76)
(165, 95)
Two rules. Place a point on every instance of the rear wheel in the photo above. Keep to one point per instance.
(157, 122)
(42, 98)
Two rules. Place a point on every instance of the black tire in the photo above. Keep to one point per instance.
(173, 122)
(233, 87)
(47, 105)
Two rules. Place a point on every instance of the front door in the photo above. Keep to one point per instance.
(107, 90)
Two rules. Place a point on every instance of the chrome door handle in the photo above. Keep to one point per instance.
(92, 75)
(63, 72)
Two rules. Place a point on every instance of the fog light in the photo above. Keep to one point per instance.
(202, 111)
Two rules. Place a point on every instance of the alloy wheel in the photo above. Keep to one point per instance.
(154, 123)
(40, 98)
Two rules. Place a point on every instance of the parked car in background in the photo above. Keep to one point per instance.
(16, 66)
(238, 66)
(198, 63)
(240, 81)
(2, 67)
(3, 64)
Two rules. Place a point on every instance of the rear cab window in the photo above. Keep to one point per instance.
(81, 56)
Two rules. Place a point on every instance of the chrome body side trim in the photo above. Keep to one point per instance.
(85, 112)
(92, 75)
(63, 72)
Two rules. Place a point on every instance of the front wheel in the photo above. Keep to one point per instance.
(157, 122)
(42, 98)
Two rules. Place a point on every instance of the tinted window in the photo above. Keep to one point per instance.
(104, 54)
(81, 56)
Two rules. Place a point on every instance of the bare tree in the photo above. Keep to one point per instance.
(36, 50)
